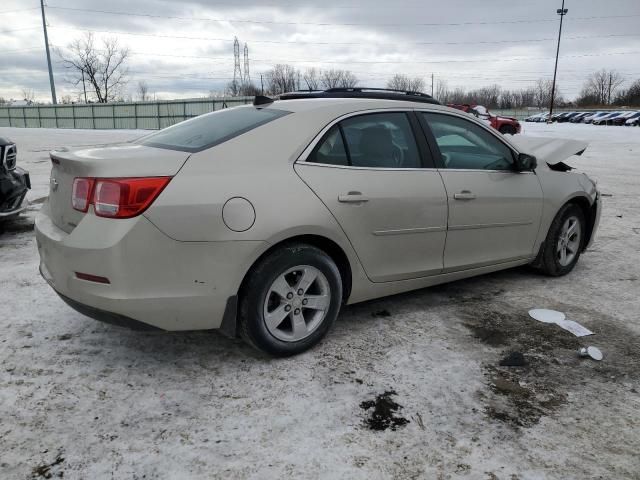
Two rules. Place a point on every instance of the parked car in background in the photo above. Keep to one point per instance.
(593, 116)
(604, 118)
(621, 119)
(264, 220)
(537, 117)
(505, 125)
(14, 181)
(633, 121)
(579, 117)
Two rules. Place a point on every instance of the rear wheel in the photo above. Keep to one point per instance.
(563, 245)
(508, 130)
(291, 300)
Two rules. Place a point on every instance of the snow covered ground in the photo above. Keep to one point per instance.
(88, 400)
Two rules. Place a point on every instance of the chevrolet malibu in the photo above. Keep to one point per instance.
(263, 220)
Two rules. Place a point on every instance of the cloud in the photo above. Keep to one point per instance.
(465, 42)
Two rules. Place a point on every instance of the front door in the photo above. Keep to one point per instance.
(369, 171)
(494, 211)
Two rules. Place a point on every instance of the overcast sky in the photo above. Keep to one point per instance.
(468, 43)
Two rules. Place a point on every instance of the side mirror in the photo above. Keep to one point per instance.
(525, 162)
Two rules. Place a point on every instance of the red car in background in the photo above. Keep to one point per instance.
(505, 125)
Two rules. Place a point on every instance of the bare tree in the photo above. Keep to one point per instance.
(143, 90)
(401, 81)
(348, 80)
(281, 78)
(104, 69)
(442, 93)
(311, 78)
(28, 95)
(330, 78)
(600, 88)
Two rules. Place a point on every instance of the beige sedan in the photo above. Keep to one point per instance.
(263, 220)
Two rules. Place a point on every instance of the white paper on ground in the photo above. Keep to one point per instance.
(574, 327)
(546, 316)
(552, 316)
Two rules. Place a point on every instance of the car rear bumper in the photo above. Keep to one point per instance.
(153, 280)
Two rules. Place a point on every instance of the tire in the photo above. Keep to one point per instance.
(508, 130)
(303, 326)
(551, 260)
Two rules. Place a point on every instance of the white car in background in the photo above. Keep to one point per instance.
(264, 220)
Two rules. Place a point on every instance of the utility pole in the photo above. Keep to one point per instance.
(432, 84)
(261, 85)
(46, 46)
(84, 87)
(562, 12)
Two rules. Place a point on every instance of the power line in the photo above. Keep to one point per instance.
(18, 10)
(391, 62)
(295, 42)
(19, 29)
(325, 24)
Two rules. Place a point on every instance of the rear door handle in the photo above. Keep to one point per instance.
(464, 195)
(352, 197)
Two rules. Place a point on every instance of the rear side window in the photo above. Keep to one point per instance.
(211, 129)
(330, 151)
(375, 140)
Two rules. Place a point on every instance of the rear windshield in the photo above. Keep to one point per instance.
(211, 129)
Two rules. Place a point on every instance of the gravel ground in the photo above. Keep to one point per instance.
(405, 387)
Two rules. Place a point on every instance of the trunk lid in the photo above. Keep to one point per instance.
(126, 160)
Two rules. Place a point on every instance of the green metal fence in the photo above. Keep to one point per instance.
(144, 115)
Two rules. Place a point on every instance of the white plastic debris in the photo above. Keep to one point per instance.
(593, 352)
(547, 316)
(560, 319)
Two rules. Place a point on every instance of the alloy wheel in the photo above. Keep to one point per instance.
(569, 241)
(297, 302)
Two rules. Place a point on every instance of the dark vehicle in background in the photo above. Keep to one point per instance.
(633, 121)
(605, 118)
(568, 117)
(14, 181)
(622, 118)
(505, 125)
(594, 116)
(579, 118)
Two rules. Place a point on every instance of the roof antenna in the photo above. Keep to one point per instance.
(262, 100)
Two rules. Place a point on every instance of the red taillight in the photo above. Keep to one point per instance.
(122, 197)
(81, 193)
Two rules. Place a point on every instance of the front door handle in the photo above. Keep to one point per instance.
(352, 197)
(464, 195)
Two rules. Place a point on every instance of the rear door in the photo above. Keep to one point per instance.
(377, 178)
(494, 211)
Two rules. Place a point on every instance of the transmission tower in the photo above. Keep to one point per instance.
(237, 72)
(247, 78)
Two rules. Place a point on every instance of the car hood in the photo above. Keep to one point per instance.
(549, 150)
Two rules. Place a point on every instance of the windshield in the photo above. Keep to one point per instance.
(211, 129)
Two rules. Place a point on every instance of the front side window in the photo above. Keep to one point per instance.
(465, 145)
(211, 129)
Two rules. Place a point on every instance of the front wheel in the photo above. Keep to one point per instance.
(291, 300)
(564, 243)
